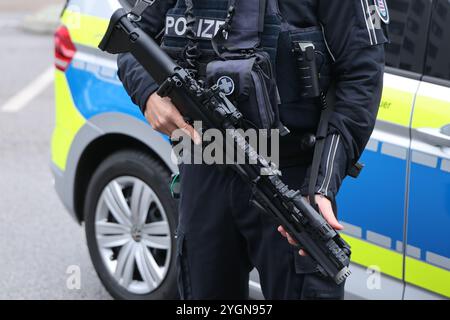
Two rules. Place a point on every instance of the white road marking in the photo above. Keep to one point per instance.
(31, 91)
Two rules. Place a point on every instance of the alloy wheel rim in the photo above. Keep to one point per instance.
(133, 235)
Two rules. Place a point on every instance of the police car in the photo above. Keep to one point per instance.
(111, 169)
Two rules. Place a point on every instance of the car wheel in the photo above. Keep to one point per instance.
(130, 221)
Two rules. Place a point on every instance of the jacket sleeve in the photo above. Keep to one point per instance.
(355, 36)
(137, 82)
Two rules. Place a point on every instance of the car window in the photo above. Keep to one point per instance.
(438, 50)
(408, 30)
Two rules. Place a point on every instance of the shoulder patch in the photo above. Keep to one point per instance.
(382, 10)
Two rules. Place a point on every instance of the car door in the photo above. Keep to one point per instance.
(374, 206)
(428, 250)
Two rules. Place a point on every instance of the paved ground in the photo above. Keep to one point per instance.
(38, 239)
(25, 5)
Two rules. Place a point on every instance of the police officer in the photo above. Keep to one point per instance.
(221, 237)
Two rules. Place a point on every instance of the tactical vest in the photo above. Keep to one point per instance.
(277, 74)
(254, 25)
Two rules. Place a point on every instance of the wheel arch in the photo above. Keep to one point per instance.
(95, 153)
(100, 137)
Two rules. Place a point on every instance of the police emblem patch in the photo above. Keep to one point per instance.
(226, 85)
(382, 10)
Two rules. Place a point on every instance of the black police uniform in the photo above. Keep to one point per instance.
(221, 237)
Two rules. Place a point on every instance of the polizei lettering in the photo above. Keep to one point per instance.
(206, 28)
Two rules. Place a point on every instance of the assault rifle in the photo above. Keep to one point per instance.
(211, 106)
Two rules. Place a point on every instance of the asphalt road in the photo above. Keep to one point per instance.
(39, 241)
(25, 5)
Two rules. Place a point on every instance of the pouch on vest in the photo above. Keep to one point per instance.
(250, 84)
(296, 111)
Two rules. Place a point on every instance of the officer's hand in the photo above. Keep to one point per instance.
(164, 117)
(326, 209)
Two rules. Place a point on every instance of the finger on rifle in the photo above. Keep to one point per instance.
(291, 240)
(187, 129)
(282, 231)
(168, 129)
(327, 212)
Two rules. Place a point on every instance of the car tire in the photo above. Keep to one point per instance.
(116, 170)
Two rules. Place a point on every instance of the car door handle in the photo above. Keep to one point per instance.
(436, 137)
